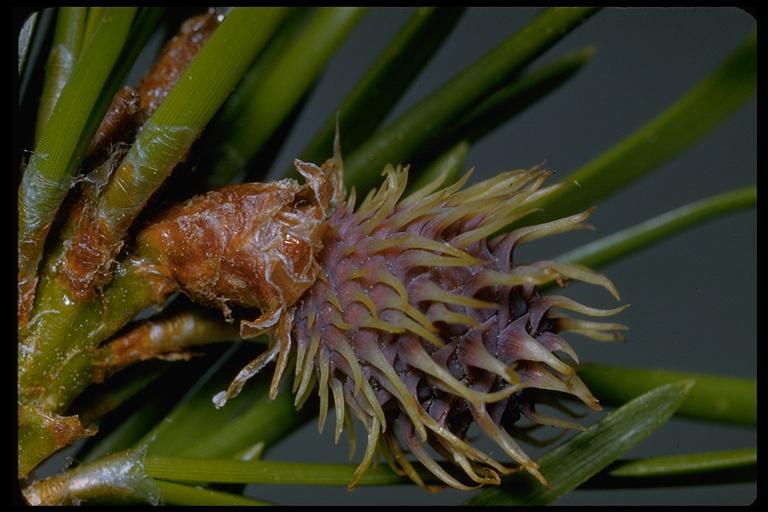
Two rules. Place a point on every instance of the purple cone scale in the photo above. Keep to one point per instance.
(421, 323)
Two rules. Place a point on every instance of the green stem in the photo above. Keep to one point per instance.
(693, 116)
(374, 95)
(714, 398)
(186, 495)
(514, 98)
(423, 124)
(94, 16)
(142, 28)
(41, 433)
(119, 477)
(265, 472)
(67, 42)
(56, 359)
(685, 464)
(272, 89)
(58, 319)
(49, 172)
(288, 30)
(59, 324)
(678, 470)
(168, 135)
(628, 241)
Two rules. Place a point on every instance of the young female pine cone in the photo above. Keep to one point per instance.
(406, 311)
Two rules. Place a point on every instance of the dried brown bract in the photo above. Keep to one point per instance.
(90, 256)
(252, 244)
(174, 59)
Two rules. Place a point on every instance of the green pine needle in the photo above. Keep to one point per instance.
(683, 124)
(576, 461)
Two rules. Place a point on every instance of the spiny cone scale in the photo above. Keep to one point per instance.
(407, 312)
